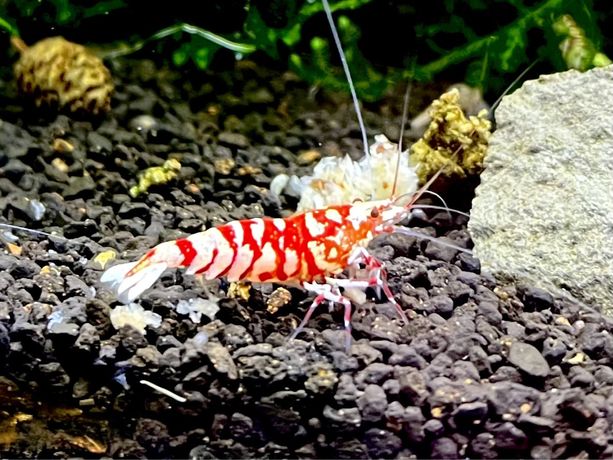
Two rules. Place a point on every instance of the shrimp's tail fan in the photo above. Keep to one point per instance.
(129, 280)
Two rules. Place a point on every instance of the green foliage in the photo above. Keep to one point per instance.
(200, 48)
(268, 39)
(460, 40)
(492, 58)
(489, 59)
(57, 12)
(369, 83)
(9, 27)
(256, 35)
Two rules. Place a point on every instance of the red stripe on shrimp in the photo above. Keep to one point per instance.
(250, 240)
(267, 266)
(187, 249)
(214, 254)
(228, 233)
(309, 269)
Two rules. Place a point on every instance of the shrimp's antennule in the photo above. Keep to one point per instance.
(434, 239)
(513, 83)
(35, 232)
(354, 96)
(405, 109)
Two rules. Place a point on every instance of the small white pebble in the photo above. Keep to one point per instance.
(278, 184)
(195, 308)
(134, 315)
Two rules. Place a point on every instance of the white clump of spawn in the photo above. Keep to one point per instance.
(134, 315)
(195, 308)
(338, 180)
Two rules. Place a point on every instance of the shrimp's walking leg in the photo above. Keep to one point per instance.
(331, 293)
(377, 277)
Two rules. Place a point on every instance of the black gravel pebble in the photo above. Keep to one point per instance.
(528, 359)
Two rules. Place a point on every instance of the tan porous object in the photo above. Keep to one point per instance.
(62, 75)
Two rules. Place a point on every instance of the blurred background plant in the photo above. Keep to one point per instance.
(483, 43)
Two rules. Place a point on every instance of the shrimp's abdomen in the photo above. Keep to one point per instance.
(300, 248)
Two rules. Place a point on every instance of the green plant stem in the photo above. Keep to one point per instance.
(8, 27)
(243, 48)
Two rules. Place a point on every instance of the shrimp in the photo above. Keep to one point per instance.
(308, 249)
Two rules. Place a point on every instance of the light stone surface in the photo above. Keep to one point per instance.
(543, 213)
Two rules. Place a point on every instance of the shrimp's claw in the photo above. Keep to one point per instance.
(128, 281)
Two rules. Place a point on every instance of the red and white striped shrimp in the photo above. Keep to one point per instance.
(303, 248)
(307, 249)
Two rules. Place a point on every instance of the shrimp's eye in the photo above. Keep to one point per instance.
(374, 213)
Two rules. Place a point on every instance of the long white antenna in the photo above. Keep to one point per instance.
(37, 232)
(513, 83)
(30, 230)
(405, 109)
(341, 53)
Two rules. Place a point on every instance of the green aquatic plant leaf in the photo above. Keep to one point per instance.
(369, 83)
(206, 38)
(482, 42)
(203, 54)
(268, 39)
(512, 50)
(10, 28)
(264, 37)
(181, 55)
(506, 50)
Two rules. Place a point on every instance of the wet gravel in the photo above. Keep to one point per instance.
(482, 370)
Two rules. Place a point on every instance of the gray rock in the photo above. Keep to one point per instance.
(14, 141)
(470, 413)
(29, 207)
(221, 360)
(344, 416)
(543, 213)
(88, 340)
(372, 403)
(406, 355)
(528, 359)
(234, 139)
(444, 448)
(373, 373)
(346, 391)
(5, 342)
(413, 387)
(79, 186)
(98, 143)
(54, 374)
(434, 427)
(382, 443)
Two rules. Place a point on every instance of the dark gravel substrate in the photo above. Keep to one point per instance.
(482, 370)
